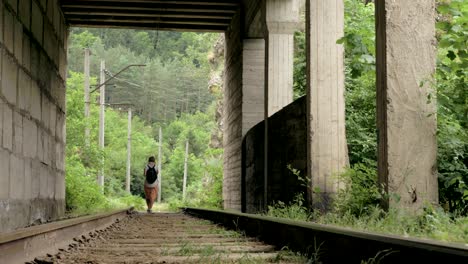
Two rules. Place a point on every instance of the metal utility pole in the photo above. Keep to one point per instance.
(102, 97)
(129, 146)
(185, 171)
(86, 95)
(159, 164)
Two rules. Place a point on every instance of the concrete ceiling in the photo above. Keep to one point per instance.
(189, 15)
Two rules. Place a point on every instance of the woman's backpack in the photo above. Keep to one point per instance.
(151, 175)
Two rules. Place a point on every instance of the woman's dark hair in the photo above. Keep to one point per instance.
(151, 159)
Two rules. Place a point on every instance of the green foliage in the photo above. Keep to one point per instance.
(359, 38)
(300, 64)
(205, 167)
(127, 201)
(175, 77)
(360, 194)
(83, 162)
(432, 223)
(452, 90)
(294, 210)
(359, 42)
(82, 193)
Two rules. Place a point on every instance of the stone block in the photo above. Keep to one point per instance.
(51, 4)
(65, 33)
(34, 61)
(16, 177)
(24, 91)
(25, 13)
(61, 96)
(53, 119)
(9, 79)
(45, 148)
(1, 24)
(35, 179)
(26, 52)
(60, 155)
(56, 19)
(9, 30)
(37, 22)
(63, 63)
(18, 43)
(29, 138)
(36, 105)
(44, 70)
(49, 45)
(13, 4)
(56, 89)
(7, 127)
(2, 104)
(17, 133)
(40, 144)
(46, 112)
(43, 181)
(51, 182)
(60, 186)
(27, 179)
(60, 130)
(52, 153)
(4, 174)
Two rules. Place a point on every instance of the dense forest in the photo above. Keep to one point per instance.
(180, 90)
(177, 90)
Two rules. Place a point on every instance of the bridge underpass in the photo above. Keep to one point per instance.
(258, 83)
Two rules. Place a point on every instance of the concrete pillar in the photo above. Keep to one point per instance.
(327, 149)
(243, 103)
(281, 18)
(406, 121)
(32, 112)
(232, 115)
(253, 83)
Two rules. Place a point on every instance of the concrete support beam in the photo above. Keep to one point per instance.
(406, 121)
(281, 18)
(327, 149)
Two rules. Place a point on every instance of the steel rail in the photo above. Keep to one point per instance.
(335, 244)
(25, 244)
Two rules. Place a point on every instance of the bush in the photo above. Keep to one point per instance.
(361, 193)
(83, 195)
(294, 210)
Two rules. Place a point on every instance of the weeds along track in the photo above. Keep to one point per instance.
(167, 238)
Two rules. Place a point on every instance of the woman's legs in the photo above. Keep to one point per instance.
(150, 194)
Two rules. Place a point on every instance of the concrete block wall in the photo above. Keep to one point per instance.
(33, 39)
(232, 125)
(287, 145)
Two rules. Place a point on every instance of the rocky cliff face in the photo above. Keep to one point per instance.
(216, 59)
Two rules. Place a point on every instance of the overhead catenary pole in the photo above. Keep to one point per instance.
(159, 164)
(184, 187)
(102, 97)
(129, 147)
(86, 95)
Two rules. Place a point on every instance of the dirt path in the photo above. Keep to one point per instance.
(168, 238)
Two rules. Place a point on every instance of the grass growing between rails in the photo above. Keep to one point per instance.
(356, 207)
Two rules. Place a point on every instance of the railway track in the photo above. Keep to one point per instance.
(130, 237)
(167, 238)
